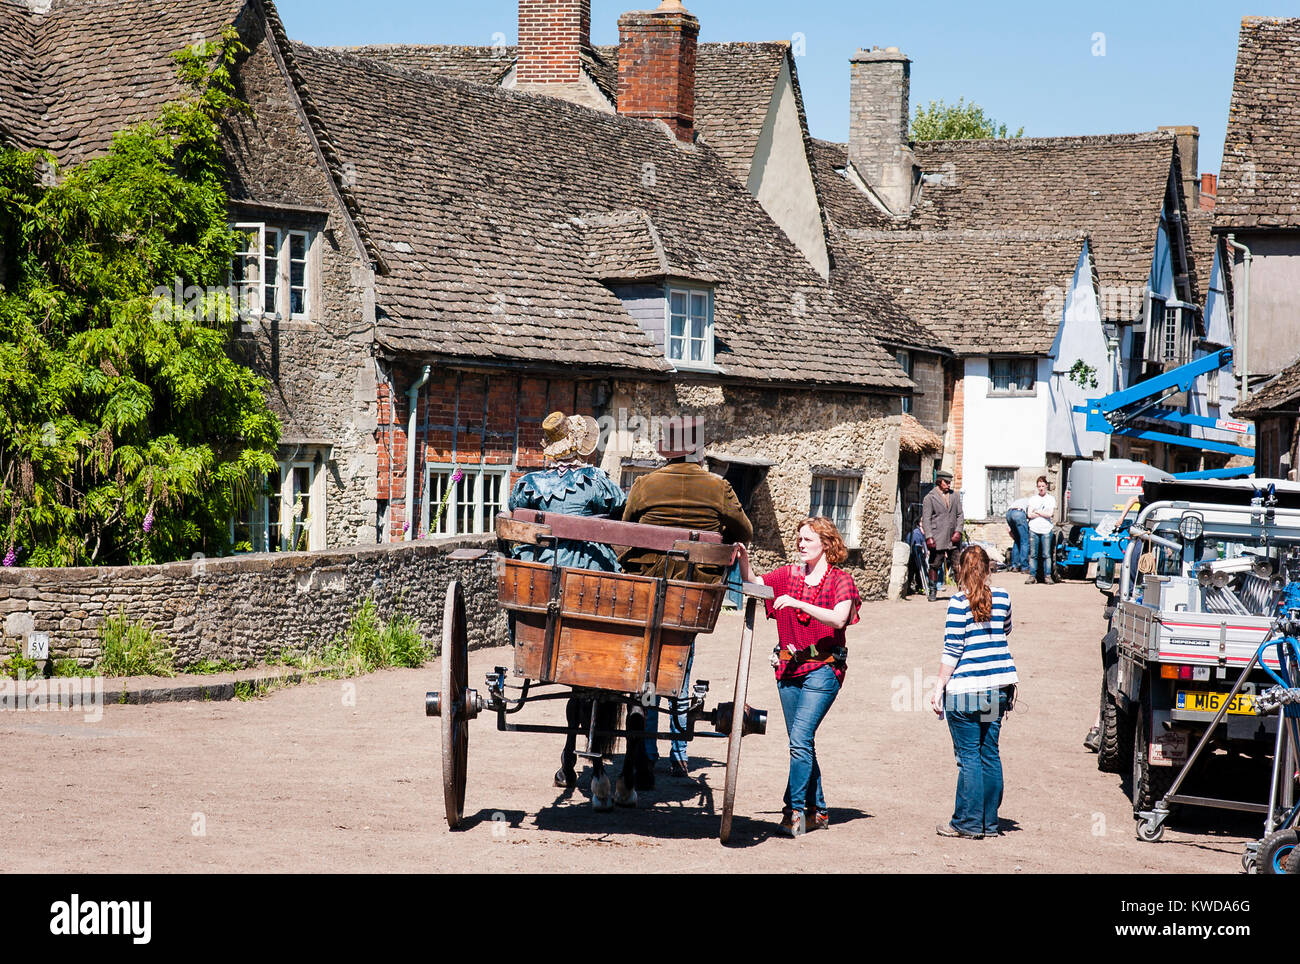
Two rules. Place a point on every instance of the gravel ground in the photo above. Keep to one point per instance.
(345, 776)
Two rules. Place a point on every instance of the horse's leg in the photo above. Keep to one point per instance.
(601, 794)
(634, 761)
(567, 775)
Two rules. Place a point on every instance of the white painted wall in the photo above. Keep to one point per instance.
(1079, 337)
(780, 176)
(999, 431)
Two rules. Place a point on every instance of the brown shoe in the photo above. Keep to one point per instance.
(821, 820)
(792, 824)
(948, 830)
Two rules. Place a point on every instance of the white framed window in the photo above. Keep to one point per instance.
(272, 270)
(472, 504)
(1172, 331)
(905, 363)
(1012, 376)
(689, 335)
(1002, 490)
(833, 496)
(1212, 388)
(284, 513)
(630, 473)
(246, 269)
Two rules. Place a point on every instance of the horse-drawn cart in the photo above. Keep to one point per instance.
(607, 637)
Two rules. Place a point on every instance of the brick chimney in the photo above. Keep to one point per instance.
(879, 88)
(656, 66)
(1209, 191)
(552, 36)
(1188, 137)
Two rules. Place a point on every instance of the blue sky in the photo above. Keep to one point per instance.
(1092, 67)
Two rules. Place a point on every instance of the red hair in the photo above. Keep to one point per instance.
(972, 576)
(832, 543)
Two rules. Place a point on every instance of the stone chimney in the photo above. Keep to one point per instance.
(1209, 191)
(879, 87)
(1188, 136)
(656, 66)
(552, 36)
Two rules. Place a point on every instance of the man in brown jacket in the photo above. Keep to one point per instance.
(682, 493)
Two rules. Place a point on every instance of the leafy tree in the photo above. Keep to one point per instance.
(956, 122)
(127, 431)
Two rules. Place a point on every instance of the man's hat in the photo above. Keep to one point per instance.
(569, 435)
(682, 435)
(943, 474)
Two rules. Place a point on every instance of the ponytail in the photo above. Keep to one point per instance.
(972, 576)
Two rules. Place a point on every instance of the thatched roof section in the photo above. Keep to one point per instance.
(915, 439)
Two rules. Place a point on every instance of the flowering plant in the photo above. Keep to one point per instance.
(456, 476)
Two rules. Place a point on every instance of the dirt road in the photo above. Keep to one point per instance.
(345, 776)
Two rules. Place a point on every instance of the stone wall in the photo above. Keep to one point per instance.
(244, 608)
(797, 431)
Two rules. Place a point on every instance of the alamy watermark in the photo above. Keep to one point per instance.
(83, 693)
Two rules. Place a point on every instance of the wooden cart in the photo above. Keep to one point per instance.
(611, 637)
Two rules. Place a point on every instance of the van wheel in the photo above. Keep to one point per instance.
(1150, 783)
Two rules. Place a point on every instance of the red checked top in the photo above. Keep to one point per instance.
(816, 642)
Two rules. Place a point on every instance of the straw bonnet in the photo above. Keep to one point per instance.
(569, 435)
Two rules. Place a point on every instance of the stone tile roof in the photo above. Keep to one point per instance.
(1200, 226)
(480, 199)
(93, 68)
(733, 83)
(1259, 182)
(1110, 188)
(1282, 392)
(626, 246)
(981, 292)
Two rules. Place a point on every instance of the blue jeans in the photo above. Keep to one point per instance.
(1040, 548)
(1019, 523)
(975, 722)
(805, 701)
(676, 725)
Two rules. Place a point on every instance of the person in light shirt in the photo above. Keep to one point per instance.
(1041, 510)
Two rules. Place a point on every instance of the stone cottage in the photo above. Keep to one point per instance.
(436, 264)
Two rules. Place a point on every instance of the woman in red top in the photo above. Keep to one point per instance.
(814, 601)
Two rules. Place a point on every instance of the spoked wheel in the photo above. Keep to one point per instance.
(455, 695)
(737, 719)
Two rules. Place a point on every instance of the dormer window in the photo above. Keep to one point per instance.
(689, 339)
(271, 271)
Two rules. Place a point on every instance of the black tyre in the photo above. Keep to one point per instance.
(1116, 735)
(1149, 783)
(1277, 852)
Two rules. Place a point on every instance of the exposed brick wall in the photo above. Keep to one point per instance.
(953, 440)
(656, 68)
(467, 418)
(552, 34)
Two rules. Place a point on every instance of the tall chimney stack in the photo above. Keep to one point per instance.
(879, 88)
(656, 66)
(1188, 137)
(552, 37)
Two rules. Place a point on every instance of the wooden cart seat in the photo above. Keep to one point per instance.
(609, 631)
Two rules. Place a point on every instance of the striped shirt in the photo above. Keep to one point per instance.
(978, 651)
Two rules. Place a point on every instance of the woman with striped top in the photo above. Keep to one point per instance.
(976, 688)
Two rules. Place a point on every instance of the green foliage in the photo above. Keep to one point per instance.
(128, 434)
(209, 667)
(370, 643)
(1082, 374)
(956, 122)
(128, 648)
(70, 667)
(19, 666)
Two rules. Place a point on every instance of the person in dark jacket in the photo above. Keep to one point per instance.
(941, 521)
(682, 493)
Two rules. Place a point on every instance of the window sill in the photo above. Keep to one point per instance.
(706, 367)
(1029, 394)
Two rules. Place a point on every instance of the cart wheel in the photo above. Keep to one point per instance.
(455, 691)
(1150, 831)
(737, 719)
(1275, 851)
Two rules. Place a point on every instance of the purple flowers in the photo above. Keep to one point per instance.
(11, 557)
(457, 475)
(148, 519)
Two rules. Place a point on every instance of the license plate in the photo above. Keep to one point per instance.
(1243, 704)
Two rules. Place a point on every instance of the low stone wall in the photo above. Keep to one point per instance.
(243, 608)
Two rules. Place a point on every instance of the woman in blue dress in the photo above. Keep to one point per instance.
(571, 486)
